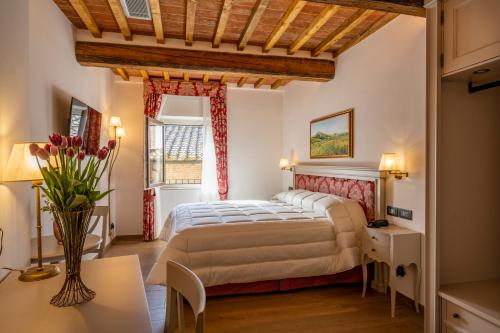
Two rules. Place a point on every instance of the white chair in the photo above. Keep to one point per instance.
(184, 284)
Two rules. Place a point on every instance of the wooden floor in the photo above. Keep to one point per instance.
(327, 309)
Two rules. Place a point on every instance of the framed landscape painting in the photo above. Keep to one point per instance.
(331, 136)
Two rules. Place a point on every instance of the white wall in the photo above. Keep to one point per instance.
(15, 208)
(128, 174)
(39, 75)
(383, 79)
(254, 142)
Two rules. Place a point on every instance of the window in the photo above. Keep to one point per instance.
(177, 142)
(174, 153)
(183, 153)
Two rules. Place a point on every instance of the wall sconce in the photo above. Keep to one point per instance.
(285, 164)
(388, 163)
(120, 132)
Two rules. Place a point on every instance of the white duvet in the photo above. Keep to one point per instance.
(299, 234)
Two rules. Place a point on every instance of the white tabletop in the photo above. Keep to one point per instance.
(481, 298)
(119, 306)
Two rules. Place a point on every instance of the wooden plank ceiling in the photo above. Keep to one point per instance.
(318, 27)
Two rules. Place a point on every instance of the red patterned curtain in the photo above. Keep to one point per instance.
(148, 216)
(154, 90)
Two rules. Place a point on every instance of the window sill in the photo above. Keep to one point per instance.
(181, 187)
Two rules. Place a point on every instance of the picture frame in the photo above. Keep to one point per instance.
(332, 136)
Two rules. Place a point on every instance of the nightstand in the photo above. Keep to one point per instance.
(394, 246)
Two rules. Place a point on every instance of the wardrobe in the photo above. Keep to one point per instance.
(463, 161)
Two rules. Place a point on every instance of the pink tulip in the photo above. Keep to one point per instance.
(81, 155)
(54, 150)
(64, 142)
(34, 149)
(42, 154)
(47, 147)
(77, 141)
(102, 153)
(56, 139)
(111, 144)
(70, 152)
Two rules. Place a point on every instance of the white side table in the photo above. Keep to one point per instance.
(393, 246)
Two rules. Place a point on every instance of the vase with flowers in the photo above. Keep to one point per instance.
(71, 187)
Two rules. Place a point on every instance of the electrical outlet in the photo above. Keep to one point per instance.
(392, 211)
(406, 214)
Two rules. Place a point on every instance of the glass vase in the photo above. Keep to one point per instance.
(73, 226)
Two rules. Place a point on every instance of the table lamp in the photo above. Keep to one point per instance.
(22, 167)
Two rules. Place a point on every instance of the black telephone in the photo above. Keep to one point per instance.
(378, 223)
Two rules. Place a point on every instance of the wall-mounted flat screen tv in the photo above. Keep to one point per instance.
(85, 122)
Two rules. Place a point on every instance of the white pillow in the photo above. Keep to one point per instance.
(287, 196)
(309, 202)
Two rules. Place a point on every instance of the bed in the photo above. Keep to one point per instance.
(312, 231)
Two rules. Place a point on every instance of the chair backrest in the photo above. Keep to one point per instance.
(100, 214)
(188, 285)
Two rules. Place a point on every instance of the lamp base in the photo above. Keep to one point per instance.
(36, 274)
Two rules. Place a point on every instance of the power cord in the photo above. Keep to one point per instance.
(1, 241)
(10, 272)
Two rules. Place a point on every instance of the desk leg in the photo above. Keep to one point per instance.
(365, 274)
(392, 285)
(418, 278)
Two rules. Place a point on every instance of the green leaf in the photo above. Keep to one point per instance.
(78, 200)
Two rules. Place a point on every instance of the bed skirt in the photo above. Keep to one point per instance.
(354, 275)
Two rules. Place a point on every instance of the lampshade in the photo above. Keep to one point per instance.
(120, 132)
(388, 162)
(115, 121)
(284, 163)
(21, 166)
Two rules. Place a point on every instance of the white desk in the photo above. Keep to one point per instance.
(119, 306)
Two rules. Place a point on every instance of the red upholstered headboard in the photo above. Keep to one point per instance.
(362, 184)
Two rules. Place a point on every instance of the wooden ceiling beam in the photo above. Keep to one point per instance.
(285, 21)
(205, 78)
(144, 74)
(154, 5)
(185, 76)
(278, 83)
(375, 26)
(242, 81)
(313, 28)
(252, 23)
(222, 22)
(190, 20)
(407, 7)
(120, 18)
(87, 18)
(223, 79)
(259, 83)
(352, 22)
(122, 73)
(169, 59)
(166, 76)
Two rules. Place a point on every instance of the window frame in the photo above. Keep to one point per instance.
(147, 182)
(163, 184)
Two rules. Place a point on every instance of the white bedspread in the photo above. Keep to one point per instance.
(301, 234)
